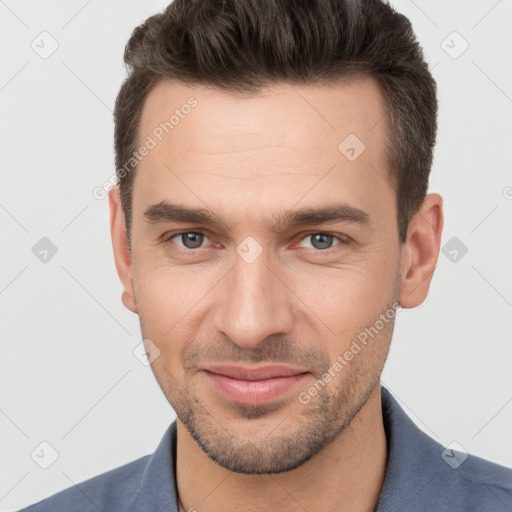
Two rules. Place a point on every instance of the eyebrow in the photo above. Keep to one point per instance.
(342, 212)
(331, 213)
(169, 212)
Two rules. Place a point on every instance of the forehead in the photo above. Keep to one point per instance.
(270, 148)
(352, 106)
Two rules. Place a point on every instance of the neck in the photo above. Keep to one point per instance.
(346, 475)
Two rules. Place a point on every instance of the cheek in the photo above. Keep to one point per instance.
(155, 294)
(349, 297)
(169, 298)
(162, 306)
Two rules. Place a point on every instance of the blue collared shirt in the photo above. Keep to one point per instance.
(421, 476)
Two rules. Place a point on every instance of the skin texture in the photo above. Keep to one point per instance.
(248, 160)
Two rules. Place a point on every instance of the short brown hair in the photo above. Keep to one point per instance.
(241, 46)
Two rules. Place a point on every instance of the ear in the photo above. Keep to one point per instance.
(122, 252)
(420, 251)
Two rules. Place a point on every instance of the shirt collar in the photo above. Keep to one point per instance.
(411, 468)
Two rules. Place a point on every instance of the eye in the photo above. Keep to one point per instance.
(321, 241)
(188, 239)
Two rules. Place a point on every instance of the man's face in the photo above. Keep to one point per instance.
(257, 289)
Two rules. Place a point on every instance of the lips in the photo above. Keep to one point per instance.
(253, 385)
(256, 373)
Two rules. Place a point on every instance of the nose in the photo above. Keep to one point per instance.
(255, 303)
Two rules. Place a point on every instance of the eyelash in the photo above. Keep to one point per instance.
(342, 239)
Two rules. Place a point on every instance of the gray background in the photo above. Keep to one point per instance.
(68, 373)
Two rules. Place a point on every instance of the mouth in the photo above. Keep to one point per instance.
(253, 385)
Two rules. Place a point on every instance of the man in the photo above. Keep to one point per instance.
(271, 218)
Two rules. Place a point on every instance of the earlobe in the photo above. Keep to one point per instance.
(420, 251)
(128, 301)
(121, 248)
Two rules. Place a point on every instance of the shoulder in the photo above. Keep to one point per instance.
(471, 482)
(422, 474)
(147, 483)
(113, 491)
(484, 484)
